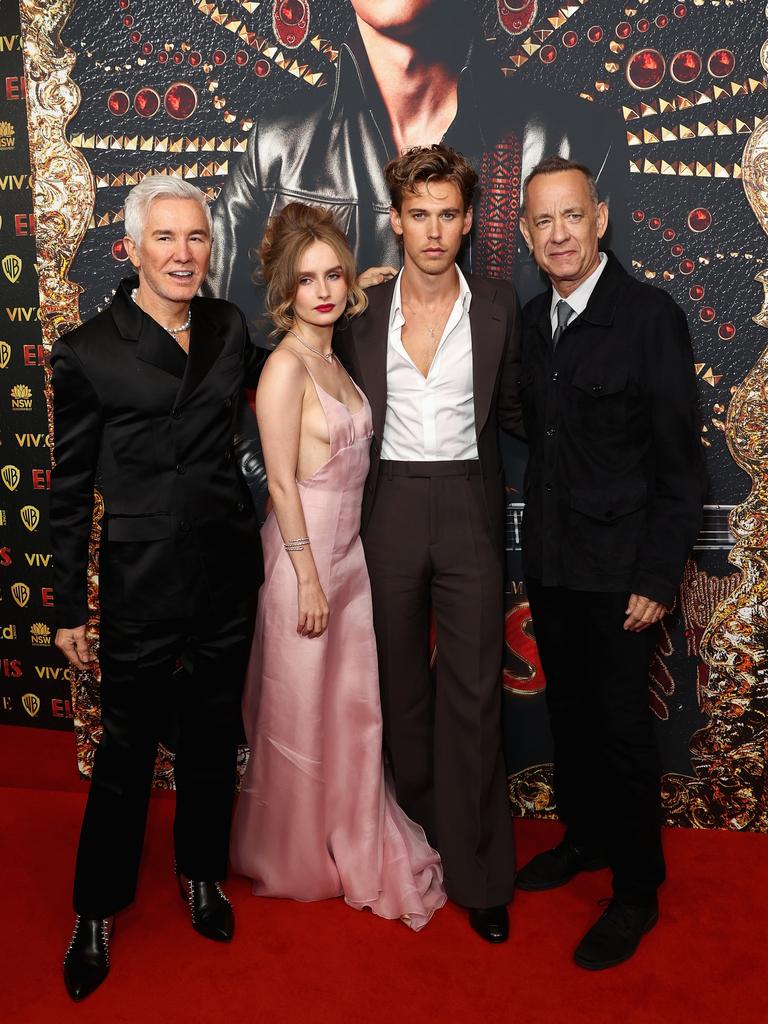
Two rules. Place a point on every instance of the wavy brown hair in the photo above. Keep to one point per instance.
(288, 234)
(424, 164)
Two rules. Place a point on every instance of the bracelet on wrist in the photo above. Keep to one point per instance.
(297, 544)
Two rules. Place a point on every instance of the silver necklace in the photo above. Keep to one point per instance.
(328, 357)
(171, 330)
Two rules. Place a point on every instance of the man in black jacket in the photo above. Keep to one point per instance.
(145, 395)
(411, 72)
(614, 493)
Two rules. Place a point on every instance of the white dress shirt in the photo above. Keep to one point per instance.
(432, 418)
(579, 298)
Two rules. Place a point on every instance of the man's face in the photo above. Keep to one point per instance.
(562, 226)
(175, 249)
(432, 223)
(388, 15)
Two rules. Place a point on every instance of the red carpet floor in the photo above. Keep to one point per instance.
(321, 963)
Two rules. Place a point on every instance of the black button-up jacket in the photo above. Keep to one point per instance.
(615, 482)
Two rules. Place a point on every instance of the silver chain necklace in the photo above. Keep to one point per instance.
(327, 357)
(171, 330)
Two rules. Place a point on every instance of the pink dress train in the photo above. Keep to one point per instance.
(316, 817)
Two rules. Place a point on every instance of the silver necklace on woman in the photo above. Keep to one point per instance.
(328, 357)
(171, 330)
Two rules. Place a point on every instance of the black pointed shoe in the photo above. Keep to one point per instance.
(615, 936)
(211, 911)
(556, 867)
(86, 963)
(490, 923)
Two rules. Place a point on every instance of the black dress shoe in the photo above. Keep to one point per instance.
(555, 867)
(490, 923)
(86, 963)
(615, 936)
(211, 911)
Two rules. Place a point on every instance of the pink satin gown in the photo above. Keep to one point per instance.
(316, 818)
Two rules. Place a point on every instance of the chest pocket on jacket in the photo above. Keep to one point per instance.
(599, 401)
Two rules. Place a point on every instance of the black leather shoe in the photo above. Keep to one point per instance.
(615, 936)
(555, 867)
(211, 911)
(490, 923)
(86, 963)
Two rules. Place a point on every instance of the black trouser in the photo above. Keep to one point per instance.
(139, 690)
(428, 545)
(607, 774)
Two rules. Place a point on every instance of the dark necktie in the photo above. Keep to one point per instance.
(563, 311)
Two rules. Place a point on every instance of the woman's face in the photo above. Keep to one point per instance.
(321, 292)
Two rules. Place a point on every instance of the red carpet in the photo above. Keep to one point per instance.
(321, 963)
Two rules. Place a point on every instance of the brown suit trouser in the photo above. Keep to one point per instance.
(429, 547)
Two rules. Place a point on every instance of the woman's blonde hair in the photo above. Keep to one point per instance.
(288, 234)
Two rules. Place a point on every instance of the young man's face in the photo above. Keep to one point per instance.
(389, 15)
(432, 223)
(562, 226)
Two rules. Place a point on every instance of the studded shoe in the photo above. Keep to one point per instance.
(210, 909)
(86, 962)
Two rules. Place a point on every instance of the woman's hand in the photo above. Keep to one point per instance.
(313, 610)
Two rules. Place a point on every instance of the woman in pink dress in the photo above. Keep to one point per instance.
(316, 818)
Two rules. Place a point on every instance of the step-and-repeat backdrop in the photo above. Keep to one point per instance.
(95, 96)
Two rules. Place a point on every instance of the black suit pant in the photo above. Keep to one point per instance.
(606, 763)
(191, 669)
(428, 546)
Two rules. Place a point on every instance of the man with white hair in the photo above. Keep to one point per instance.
(145, 396)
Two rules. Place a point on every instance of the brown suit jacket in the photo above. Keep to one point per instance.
(494, 317)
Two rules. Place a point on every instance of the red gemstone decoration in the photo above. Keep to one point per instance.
(290, 20)
(645, 69)
(128, 21)
(146, 49)
(146, 102)
(124, 5)
(178, 57)
(515, 16)
(654, 223)
(707, 314)
(662, 21)
(699, 219)
(241, 58)
(195, 59)
(721, 63)
(219, 57)
(623, 30)
(118, 251)
(547, 54)
(595, 34)
(135, 37)
(643, 25)
(696, 292)
(726, 332)
(680, 11)
(118, 102)
(677, 250)
(687, 266)
(180, 101)
(292, 11)
(570, 39)
(162, 57)
(261, 68)
(669, 235)
(685, 66)
(638, 216)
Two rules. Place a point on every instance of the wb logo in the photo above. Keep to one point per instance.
(30, 516)
(20, 594)
(11, 265)
(31, 703)
(11, 477)
(5, 354)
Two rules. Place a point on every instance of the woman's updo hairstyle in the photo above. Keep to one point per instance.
(287, 235)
